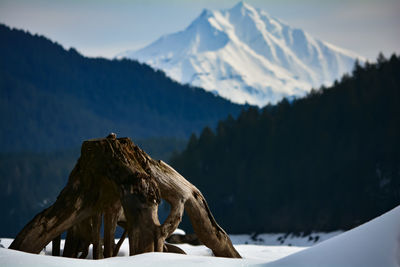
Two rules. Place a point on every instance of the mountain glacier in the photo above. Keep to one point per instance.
(245, 55)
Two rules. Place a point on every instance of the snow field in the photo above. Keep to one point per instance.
(373, 244)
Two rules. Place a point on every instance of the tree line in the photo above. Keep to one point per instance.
(325, 162)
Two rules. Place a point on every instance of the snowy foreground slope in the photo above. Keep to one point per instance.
(245, 55)
(374, 244)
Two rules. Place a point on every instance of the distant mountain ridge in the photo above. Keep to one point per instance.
(247, 56)
(52, 99)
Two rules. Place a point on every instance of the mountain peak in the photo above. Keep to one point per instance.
(241, 5)
(242, 8)
(247, 56)
(205, 13)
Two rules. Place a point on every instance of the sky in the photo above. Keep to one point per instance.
(106, 28)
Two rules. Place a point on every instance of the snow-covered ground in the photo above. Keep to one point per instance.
(283, 239)
(374, 244)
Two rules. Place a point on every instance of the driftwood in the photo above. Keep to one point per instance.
(113, 173)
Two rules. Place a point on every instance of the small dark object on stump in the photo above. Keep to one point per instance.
(116, 179)
(112, 136)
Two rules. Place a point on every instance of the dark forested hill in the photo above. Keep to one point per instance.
(51, 98)
(328, 161)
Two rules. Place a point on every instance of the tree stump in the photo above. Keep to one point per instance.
(113, 173)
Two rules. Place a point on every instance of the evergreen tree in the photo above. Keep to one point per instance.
(325, 162)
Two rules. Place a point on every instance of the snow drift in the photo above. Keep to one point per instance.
(374, 244)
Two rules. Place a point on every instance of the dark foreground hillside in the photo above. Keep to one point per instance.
(328, 161)
(52, 99)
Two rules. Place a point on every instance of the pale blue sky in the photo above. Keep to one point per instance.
(105, 28)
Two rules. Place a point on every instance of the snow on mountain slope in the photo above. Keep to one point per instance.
(245, 55)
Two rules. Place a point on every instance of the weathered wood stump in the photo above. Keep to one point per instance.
(113, 173)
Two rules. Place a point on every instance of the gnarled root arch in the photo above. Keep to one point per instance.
(113, 173)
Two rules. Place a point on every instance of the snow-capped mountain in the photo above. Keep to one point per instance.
(245, 55)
